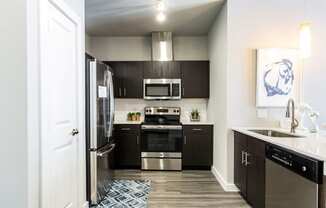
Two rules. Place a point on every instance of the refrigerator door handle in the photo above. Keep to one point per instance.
(93, 178)
(93, 105)
(102, 154)
(111, 119)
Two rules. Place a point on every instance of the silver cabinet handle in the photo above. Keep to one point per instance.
(125, 129)
(185, 139)
(242, 157)
(125, 92)
(75, 132)
(197, 129)
(183, 91)
(246, 159)
(137, 140)
(120, 92)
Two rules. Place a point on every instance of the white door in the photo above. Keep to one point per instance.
(60, 69)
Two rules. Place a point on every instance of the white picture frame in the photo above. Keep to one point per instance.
(277, 76)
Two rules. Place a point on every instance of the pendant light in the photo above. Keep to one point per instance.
(305, 36)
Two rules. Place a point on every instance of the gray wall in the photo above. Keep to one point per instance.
(314, 78)
(253, 24)
(139, 48)
(217, 104)
(13, 110)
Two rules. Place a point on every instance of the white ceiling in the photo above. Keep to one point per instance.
(137, 17)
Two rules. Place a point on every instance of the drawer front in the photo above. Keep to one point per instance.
(127, 128)
(161, 164)
(198, 129)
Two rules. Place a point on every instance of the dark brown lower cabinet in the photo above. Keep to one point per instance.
(240, 170)
(198, 147)
(127, 139)
(249, 169)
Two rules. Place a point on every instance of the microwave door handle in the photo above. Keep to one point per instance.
(171, 89)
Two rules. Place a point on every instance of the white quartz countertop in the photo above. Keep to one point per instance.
(128, 122)
(196, 123)
(183, 122)
(312, 145)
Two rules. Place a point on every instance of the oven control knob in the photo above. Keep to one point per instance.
(304, 168)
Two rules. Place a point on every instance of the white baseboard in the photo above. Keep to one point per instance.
(85, 205)
(228, 187)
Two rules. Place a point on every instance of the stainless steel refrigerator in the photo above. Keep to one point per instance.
(99, 126)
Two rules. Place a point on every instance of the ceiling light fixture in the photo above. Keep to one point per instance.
(160, 6)
(161, 17)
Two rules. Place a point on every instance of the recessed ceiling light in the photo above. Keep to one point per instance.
(161, 17)
(160, 6)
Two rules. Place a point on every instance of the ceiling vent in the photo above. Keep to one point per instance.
(162, 48)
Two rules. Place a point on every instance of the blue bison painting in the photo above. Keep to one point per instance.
(279, 78)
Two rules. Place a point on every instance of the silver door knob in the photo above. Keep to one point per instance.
(75, 132)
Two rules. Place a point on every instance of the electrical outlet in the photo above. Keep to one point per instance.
(323, 125)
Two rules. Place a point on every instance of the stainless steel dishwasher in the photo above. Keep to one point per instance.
(293, 180)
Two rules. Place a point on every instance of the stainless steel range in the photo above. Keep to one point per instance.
(161, 139)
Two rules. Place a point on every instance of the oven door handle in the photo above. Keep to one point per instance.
(160, 127)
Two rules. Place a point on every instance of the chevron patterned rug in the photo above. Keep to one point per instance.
(127, 194)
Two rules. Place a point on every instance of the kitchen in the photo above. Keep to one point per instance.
(151, 88)
(189, 103)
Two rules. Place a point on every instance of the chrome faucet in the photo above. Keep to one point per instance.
(294, 122)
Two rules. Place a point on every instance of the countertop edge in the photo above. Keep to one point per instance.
(183, 123)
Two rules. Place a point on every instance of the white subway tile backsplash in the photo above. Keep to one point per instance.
(123, 106)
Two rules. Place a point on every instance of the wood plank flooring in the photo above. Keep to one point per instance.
(184, 189)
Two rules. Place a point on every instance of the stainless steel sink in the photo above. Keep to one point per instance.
(272, 133)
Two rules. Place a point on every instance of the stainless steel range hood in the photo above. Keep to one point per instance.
(162, 48)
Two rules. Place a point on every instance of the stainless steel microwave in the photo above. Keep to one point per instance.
(162, 89)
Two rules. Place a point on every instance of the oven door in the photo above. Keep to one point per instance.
(161, 139)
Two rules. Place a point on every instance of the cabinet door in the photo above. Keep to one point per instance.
(171, 70)
(198, 146)
(150, 72)
(256, 173)
(240, 170)
(127, 146)
(118, 76)
(163, 69)
(195, 79)
(133, 80)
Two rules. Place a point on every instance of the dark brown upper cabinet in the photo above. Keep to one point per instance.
(127, 78)
(195, 79)
(197, 147)
(162, 70)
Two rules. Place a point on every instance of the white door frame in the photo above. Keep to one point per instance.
(34, 27)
